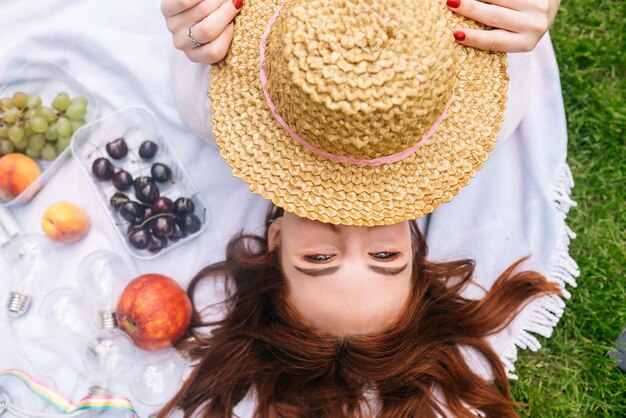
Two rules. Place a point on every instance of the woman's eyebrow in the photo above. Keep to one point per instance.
(388, 271)
(317, 272)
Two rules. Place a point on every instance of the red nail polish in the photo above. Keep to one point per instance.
(453, 3)
(459, 36)
(239, 4)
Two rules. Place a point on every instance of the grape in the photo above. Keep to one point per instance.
(38, 124)
(4, 130)
(36, 142)
(22, 144)
(6, 104)
(16, 133)
(51, 133)
(33, 153)
(48, 113)
(11, 115)
(61, 101)
(34, 101)
(62, 143)
(76, 124)
(80, 99)
(76, 111)
(20, 99)
(28, 132)
(6, 146)
(30, 113)
(48, 152)
(64, 127)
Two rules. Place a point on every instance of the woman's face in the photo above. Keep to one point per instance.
(344, 280)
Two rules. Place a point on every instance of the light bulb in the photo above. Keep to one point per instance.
(156, 380)
(105, 355)
(102, 277)
(28, 255)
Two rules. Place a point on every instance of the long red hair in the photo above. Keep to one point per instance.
(262, 344)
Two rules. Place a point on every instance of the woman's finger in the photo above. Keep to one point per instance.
(489, 14)
(193, 15)
(494, 40)
(215, 51)
(208, 29)
(171, 8)
(517, 5)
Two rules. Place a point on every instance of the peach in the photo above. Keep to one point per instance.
(17, 172)
(65, 222)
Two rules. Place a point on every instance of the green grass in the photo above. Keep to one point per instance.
(571, 376)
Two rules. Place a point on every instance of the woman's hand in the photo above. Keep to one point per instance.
(518, 24)
(207, 22)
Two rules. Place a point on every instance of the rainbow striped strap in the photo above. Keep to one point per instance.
(66, 405)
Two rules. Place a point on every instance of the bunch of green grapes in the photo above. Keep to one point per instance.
(28, 127)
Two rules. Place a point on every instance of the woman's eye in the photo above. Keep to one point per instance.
(385, 256)
(318, 258)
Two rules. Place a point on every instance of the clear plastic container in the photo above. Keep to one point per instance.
(135, 124)
(47, 80)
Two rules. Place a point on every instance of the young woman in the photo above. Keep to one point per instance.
(348, 321)
(343, 321)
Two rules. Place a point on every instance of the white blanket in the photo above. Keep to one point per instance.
(120, 50)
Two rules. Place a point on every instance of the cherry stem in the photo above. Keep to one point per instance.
(153, 217)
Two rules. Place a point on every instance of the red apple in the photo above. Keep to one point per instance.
(154, 311)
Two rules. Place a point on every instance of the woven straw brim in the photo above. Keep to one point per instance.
(277, 167)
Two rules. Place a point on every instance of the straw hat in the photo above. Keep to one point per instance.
(355, 112)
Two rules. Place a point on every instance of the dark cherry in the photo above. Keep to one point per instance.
(147, 150)
(163, 204)
(131, 211)
(102, 169)
(190, 223)
(161, 172)
(157, 244)
(177, 233)
(117, 199)
(117, 149)
(142, 180)
(162, 226)
(147, 193)
(148, 212)
(139, 237)
(122, 180)
(183, 205)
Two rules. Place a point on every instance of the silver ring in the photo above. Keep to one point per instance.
(193, 41)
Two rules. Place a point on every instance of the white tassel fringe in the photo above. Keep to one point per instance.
(542, 314)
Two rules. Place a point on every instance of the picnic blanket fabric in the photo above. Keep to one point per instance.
(121, 52)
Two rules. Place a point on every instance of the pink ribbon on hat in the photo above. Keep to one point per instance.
(387, 159)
